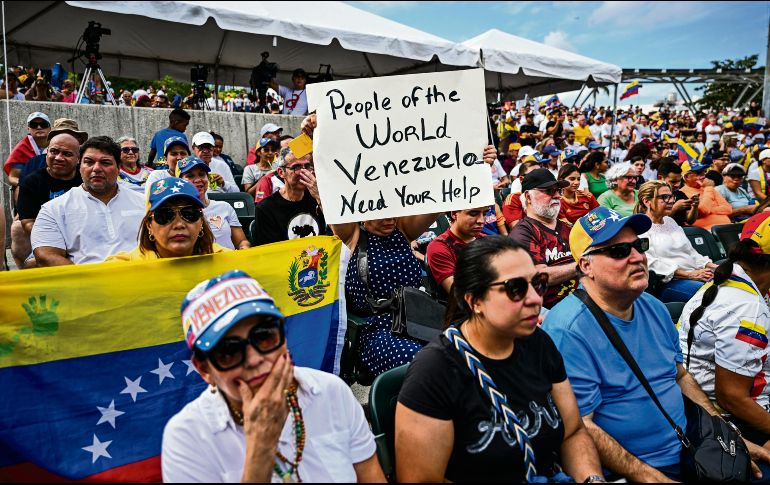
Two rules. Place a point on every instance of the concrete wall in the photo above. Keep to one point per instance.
(239, 130)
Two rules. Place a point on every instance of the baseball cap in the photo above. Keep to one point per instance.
(526, 151)
(694, 167)
(593, 145)
(717, 154)
(263, 142)
(541, 178)
(203, 138)
(188, 163)
(764, 154)
(757, 230)
(174, 140)
(736, 155)
(734, 169)
(65, 125)
(600, 225)
(38, 114)
(162, 190)
(551, 151)
(215, 305)
(514, 146)
(269, 128)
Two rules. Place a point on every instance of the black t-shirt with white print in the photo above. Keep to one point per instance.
(439, 384)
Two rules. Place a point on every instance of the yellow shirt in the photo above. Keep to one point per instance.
(581, 133)
(138, 255)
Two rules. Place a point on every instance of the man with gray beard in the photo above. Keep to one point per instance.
(545, 235)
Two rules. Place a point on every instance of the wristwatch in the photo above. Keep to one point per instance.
(594, 479)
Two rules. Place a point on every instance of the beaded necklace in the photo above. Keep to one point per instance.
(292, 467)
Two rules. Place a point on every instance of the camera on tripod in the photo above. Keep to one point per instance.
(321, 77)
(199, 75)
(260, 79)
(91, 37)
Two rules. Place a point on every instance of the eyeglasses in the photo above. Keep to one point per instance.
(622, 250)
(630, 178)
(128, 150)
(264, 337)
(165, 215)
(36, 125)
(552, 191)
(306, 166)
(516, 288)
(667, 198)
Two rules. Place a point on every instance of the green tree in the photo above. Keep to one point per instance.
(723, 95)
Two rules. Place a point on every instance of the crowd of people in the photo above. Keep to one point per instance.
(587, 204)
(33, 84)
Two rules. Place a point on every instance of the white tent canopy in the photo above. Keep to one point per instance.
(516, 66)
(153, 39)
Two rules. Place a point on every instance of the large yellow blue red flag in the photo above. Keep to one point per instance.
(93, 360)
(630, 89)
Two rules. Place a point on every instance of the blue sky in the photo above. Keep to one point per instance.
(628, 34)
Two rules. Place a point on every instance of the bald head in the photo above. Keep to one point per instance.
(62, 157)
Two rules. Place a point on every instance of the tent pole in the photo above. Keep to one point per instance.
(369, 63)
(614, 121)
(578, 96)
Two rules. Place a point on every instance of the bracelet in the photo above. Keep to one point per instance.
(593, 479)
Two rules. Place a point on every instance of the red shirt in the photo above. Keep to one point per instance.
(549, 247)
(512, 209)
(570, 212)
(442, 255)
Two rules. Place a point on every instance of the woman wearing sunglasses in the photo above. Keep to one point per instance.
(131, 173)
(173, 226)
(448, 427)
(671, 254)
(221, 217)
(622, 196)
(262, 419)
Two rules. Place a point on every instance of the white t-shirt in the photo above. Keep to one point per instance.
(88, 229)
(670, 249)
(605, 131)
(203, 444)
(642, 132)
(732, 333)
(294, 101)
(221, 218)
(713, 133)
(252, 174)
(497, 172)
(135, 181)
(596, 132)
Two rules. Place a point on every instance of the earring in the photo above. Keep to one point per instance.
(200, 234)
(213, 389)
(478, 312)
(151, 237)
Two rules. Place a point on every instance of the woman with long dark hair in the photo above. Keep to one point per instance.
(724, 331)
(575, 203)
(446, 422)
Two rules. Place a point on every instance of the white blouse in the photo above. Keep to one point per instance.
(671, 250)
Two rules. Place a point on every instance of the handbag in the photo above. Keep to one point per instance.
(413, 312)
(712, 448)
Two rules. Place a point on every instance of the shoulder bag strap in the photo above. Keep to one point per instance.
(617, 342)
(362, 263)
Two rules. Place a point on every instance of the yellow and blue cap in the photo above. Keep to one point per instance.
(599, 226)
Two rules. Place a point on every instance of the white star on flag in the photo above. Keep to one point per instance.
(180, 184)
(163, 371)
(175, 189)
(190, 367)
(98, 449)
(133, 387)
(109, 414)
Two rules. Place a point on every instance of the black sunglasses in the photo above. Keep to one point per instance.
(164, 215)
(36, 125)
(264, 337)
(128, 150)
(516, 288)
(622, 250)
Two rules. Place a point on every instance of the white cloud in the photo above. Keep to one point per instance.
(559, 40)
(384, 6)
(648, 15)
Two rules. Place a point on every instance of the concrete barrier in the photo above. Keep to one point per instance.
(239, 130)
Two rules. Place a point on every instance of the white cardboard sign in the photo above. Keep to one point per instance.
(400, 145)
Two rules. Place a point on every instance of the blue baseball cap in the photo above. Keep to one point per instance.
(175, 140)
(162, 190)
(263, 142)
(599, 226)
(736, 155)
(698, 166)
(593, 145)
(188, 163)
(569, 153)
(552, 151)
(215, 305)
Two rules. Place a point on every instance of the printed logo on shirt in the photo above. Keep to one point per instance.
(752, 334)
(554, 254)
(303, 225)
(54, 194)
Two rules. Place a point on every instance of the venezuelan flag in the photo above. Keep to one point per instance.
(93, 361)
(687, 153)
(552, 101)
(751, 125)
(752, 334)
(630, 89)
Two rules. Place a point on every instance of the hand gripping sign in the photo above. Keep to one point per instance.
(401, 145)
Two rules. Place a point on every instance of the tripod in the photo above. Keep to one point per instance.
(92, 70)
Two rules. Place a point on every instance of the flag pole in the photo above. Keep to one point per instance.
(614, 121)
